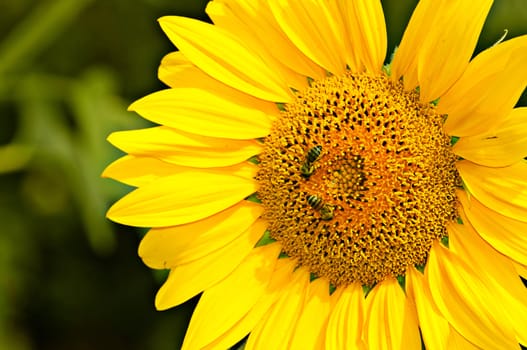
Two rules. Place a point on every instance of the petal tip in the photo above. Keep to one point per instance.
(165, 20)
(160, 303)
(133, 106)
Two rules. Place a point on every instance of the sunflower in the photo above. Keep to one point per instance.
(319, 199)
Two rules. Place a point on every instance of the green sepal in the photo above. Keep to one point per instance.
(332, 289)
(281, 106)
(254, 160)
(420, 268)
(253, 198)
(265, 240)
(402, 282)
(312, 277)
(283, 255)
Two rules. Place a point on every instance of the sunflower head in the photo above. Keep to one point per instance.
(381, 179)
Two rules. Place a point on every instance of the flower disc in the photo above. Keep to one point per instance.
(358, 179)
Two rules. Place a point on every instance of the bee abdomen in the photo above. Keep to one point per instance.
(315, 202)
(307, 169)
(313, 154)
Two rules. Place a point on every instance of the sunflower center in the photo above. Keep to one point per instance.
(357, 179)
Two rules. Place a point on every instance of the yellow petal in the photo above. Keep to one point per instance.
(503, 146)
(247, 170)
(175, 65)
(520, 269)
(222, 56)
(352, 35)
(500, 189)
(187, 280)
(181, 198)
(280, 280)
(416, 33)
(275, 329)
(488, 89)
(256, 14)
(345, 326)
(366, 29)
(391, 322)
(236, 18)
(225, 304)
(181, 148)
(310, 331)
(139, 171)
(315, 28)
(171, 246)
(178, 72)
(465, 301)
(504, 234)
(222, 115)
(498, 273)
(434, 327)
(458, 342)
(444, 55)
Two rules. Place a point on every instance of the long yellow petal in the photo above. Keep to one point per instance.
(181, 148)
(236, 18)
(166, 247)
(504, 234)
(488, 89)
(225, 304)
(181, 198)
(497, 271)
(310, 331)
(465, 301)
(366, 29)
(222, 116)
(139, 171)
(404, 63)
(446, 52)
(280, 281)
(520, 269)
(257, 14)
(246, 170)
(178, 72)
(391, 321)
(500, 189)
(458, 342)
(502, 146)
(434, 327)
(222, 56)
(275, 330)
(345, 326)
(315, 29)
(187, 280)
(173, 66)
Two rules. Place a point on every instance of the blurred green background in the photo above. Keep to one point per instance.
(70, 279)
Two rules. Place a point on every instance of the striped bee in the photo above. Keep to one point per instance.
(326, 210)
(307, 168)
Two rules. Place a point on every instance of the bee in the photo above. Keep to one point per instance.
(307, 168)
(326, 210)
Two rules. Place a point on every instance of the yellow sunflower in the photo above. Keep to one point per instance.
(320, 200)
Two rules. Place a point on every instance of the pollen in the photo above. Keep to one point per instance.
(357, 179)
